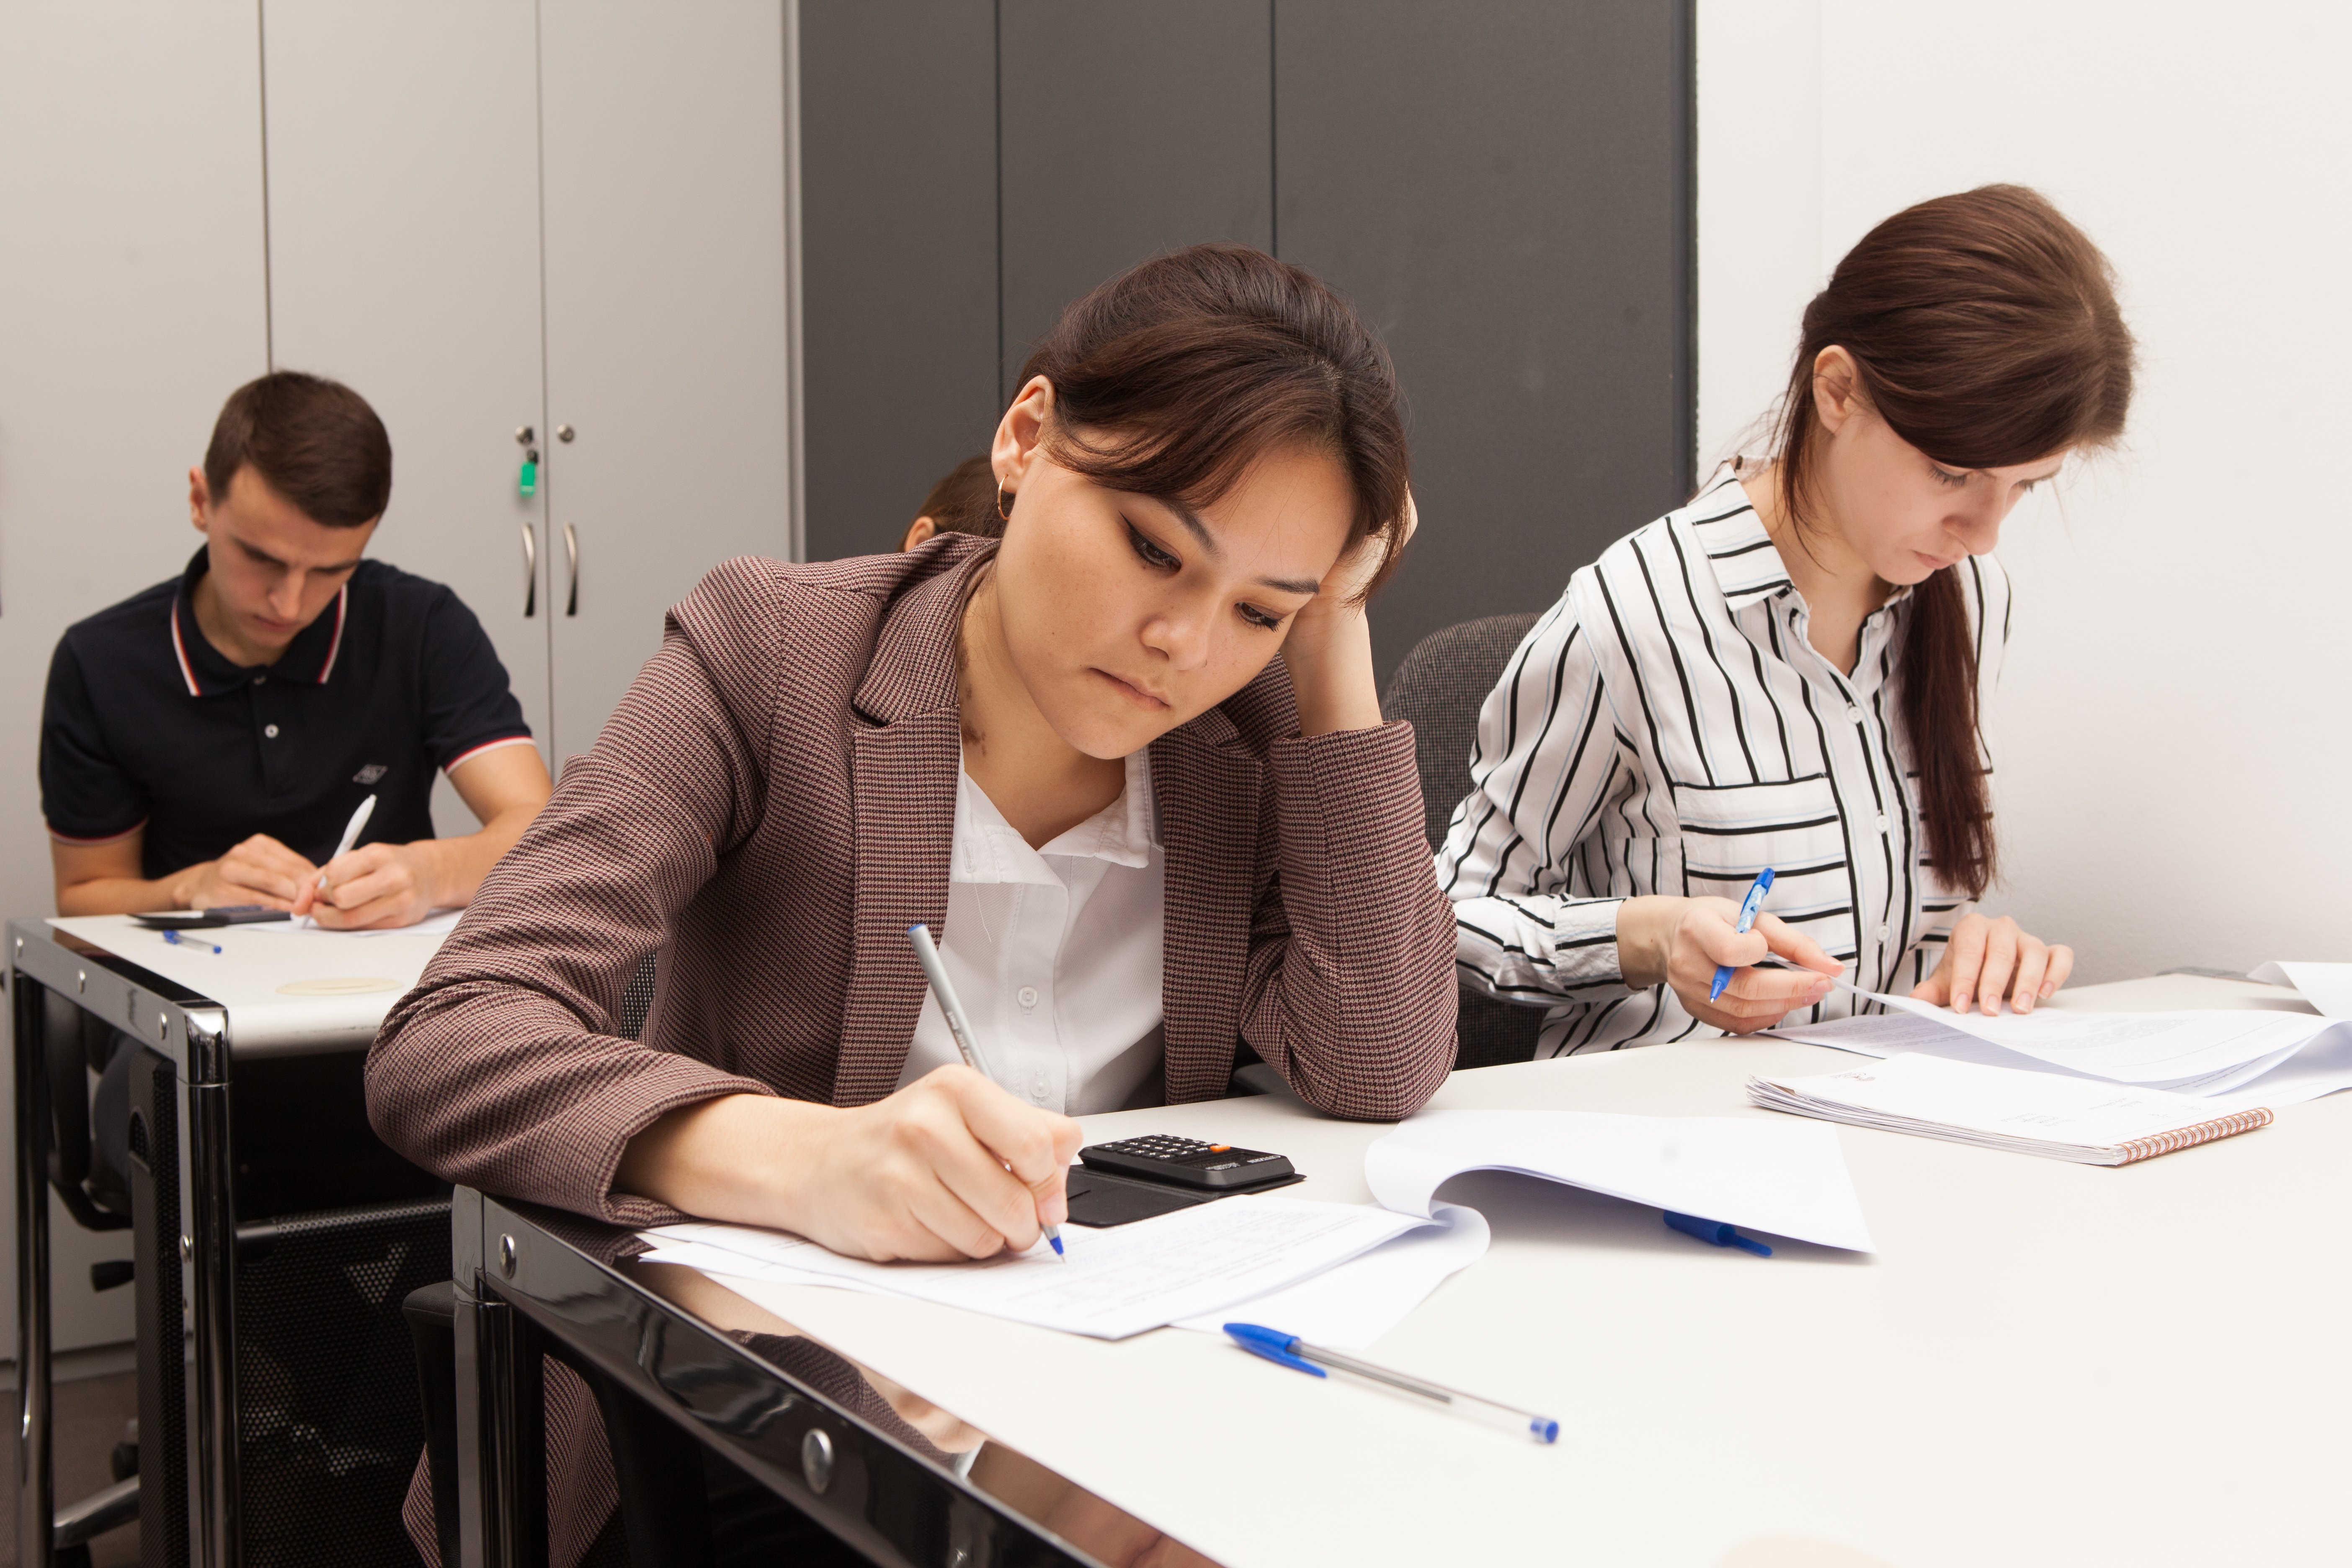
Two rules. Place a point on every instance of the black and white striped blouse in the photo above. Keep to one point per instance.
(1666, 728)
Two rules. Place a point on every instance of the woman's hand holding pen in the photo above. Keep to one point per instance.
(948, 1167)
(1681, 940)
(1986, 960)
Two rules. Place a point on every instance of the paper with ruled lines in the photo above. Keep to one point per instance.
(1118, 1282)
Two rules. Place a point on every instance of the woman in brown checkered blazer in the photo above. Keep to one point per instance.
(1204, 469)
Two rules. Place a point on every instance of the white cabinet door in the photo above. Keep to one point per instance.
(404, 255)
(131, 302)
(666, 327)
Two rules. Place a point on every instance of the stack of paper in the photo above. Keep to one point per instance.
(2253, 1056)
(2065, 1118)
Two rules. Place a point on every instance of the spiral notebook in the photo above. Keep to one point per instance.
(2062, 1118)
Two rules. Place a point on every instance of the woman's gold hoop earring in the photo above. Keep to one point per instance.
(999, 503)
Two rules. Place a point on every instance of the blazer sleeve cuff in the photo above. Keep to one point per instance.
(605, 1121)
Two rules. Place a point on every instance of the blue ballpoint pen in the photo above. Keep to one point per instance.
(1289, 1351)
(926, 953)
(176, 940)
(1748, 907)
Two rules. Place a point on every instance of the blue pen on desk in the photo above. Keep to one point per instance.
(926, 953)
(1288, 1350)
(1748, 907)
(176, 940)
(1716, 1232)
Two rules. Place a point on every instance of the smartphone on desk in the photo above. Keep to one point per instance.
(197, 920)
(1138, 1178)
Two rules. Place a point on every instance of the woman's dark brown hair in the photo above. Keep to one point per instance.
(1175, 376)
(1985, 332)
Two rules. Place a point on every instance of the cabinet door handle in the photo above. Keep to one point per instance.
(571, 553)
(530, 571)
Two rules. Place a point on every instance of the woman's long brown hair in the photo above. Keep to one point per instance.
(1986, 333)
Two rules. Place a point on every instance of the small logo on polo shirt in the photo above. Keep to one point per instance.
(369, 774)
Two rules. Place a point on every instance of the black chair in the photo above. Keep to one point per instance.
(1439, 688)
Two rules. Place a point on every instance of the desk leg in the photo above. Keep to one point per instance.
(36, 1489)
(501, 1436)
(212, 1291)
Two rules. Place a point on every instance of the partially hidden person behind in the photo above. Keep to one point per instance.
(1790, 671)
(965, 500)
(206, 742)
(1128, 761)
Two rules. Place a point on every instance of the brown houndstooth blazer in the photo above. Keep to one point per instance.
(771, 806)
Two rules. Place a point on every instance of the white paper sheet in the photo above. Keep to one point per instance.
(2209, 1052)
(440, 922)
(1786, 1178)
(2327, 986)
(1118, 1282)
(1349, 1307)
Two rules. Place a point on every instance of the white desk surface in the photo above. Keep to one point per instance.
(343, 983)
(2046, 1364)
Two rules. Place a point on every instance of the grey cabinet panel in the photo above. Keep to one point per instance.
(667, 353)
(404, 261)
(1503, 189)
(1130, 127)
(899, 258)
(131, 302)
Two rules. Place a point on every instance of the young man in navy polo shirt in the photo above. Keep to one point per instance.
(206, 742)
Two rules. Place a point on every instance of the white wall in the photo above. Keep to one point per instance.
(2171, 734)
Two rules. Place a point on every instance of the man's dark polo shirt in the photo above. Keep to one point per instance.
(146, 724)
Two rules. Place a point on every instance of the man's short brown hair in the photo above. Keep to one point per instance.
(964, 501)
(314, 441)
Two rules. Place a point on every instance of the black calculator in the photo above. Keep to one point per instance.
(1189, 1162)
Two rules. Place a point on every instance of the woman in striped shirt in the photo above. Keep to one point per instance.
(1785, 672)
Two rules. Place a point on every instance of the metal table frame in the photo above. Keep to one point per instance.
(521, 1288)
(192, 1031)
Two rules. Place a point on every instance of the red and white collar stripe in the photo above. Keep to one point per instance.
(343, 603)
(180, 649)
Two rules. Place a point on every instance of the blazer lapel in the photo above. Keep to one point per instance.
(1209, 791)
(906, 748)
(906, 783)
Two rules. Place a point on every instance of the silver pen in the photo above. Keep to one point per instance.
(926, 953)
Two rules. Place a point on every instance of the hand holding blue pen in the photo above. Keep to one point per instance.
(1749, 907)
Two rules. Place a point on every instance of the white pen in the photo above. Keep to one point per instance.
(351, 836)
(926, 953)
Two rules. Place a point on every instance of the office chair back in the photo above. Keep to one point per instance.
(1439, 690)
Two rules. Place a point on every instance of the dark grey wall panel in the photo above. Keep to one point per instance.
(1503, 189)
(1130, 127)
(897, 258)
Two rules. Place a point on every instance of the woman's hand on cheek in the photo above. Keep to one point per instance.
(1988, 959)
(1328, 646)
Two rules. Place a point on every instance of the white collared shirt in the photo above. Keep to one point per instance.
(1668, 728)
(1055, 954)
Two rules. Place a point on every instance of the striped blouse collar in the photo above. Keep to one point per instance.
(1747, 563)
